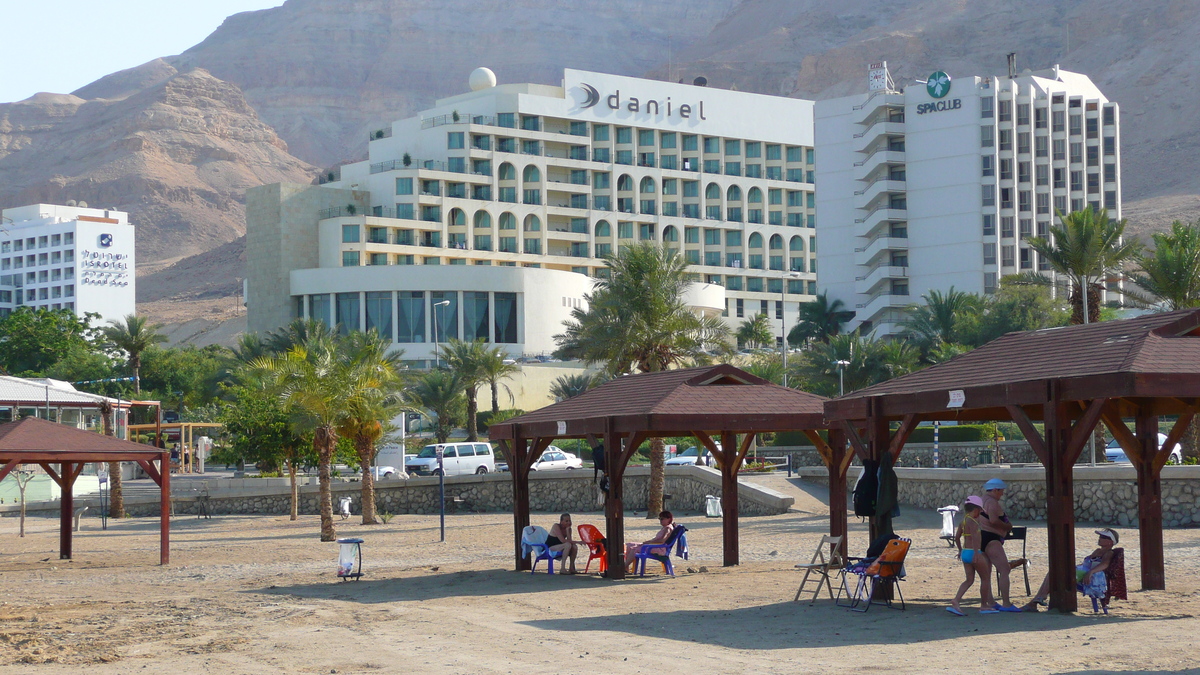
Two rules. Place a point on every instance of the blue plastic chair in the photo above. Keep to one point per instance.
(533, 540)
(678, 540)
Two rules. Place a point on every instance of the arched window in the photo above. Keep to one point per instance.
(458, 217)
(776, 242)
(734, 194)
(508, 221)
(670, 233)
(602, 229)
(532, 223)
(713, 191)
(507, 172)
(796, 244)
(531, 175)
(755, 240)
(625, 183)
(483, 220)
(647, 186)
(754, 196)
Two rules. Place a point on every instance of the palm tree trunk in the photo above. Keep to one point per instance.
(295, 492)
(654, 500)
(366, 456)
(324, 441)
(1093, 304)
(495, 397)
(116, 503)
(472, 414)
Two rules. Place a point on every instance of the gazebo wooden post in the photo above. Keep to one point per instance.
(164, 509)
(1149, 484)
(516, 452)
(729, 496)
(1060, 506)
(614, 505)
(66, 509)
(878, 438)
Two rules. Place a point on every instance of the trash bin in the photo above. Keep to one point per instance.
(712, 507)
(350, 549)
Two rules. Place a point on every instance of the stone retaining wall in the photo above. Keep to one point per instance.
(1103, 494)
(950, 455)
(558, 491)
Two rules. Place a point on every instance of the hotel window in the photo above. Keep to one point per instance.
(795, 154)
(578, 129)
(1026, 228)
(646, 137)
(1110, 199)
(1023, 142)
(1060, 179)
(481, 142)
(667, 140)
(68, 256)
(989, 254)
(1110, 173)
(1093, 183)
(733, 147)
(1005, 111)
(1023, 172)
(1023, 113)
(1058, 119)
(43, 259)
(1060, 150)
(56, 240)
(690, 144)
(624, 135)
(347, 312)
(754, 171)
(1041, 146)
(531, 123)
(1006, 226)
(1110, 146)
(1076, 125)
(455, 140)
(1043, 174)
(753, 149)
(986, 107)
(599, 132)
(377, 259)
(989, 165)
(712, 145)
(774, 153)
(507, 120)
(1060, 204)
(1077, 153)
(669, 162)
(1043, 203)
(530, 148)
(1093, 127)
(1007, 258)
(1024, 200)
(1093, 155)
(646, 159)
(986, 138)
(350, 259)
(1006, 139)
(774, 173)
(350, 234)
(989, 225)
(733, 168)
(1006, 169)
(625, 157)
(1039, 117)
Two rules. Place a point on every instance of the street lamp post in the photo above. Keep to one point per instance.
(841, 377)
(783, 346)
(436, 328)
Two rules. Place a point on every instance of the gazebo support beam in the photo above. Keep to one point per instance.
(1060, 509)
(164, 509)
(729, 494)
(614, 506)
(66, 508)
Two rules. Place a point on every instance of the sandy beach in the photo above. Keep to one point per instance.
(258, 595)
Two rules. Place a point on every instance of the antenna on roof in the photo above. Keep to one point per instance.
(1012, 64)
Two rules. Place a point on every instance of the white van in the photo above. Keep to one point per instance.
(458, 459)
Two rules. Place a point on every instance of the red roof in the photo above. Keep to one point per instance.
(32, 436)
(688, 396)
(1110, 358)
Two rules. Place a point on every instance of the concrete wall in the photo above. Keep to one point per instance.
(950, 455)
(1103, 494)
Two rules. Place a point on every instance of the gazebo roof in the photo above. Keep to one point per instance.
(33, 439)
(36, 392)
(706, 398)
(1155, 355)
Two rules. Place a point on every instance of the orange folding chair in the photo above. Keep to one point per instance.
(591, 536)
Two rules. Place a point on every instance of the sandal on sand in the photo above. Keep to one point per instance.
(955, 612)
(989, 611)
(1001, 608)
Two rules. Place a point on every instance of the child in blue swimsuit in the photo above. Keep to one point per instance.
(969, 541)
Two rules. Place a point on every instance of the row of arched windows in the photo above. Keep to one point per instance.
(648, 186)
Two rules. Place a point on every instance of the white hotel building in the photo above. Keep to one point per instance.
(487, 215)
(940, 184)
(67, 257)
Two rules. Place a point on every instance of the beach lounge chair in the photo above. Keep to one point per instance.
(885, 572)
(533, 540)
(591, 536)
(822, 566)
(678, 539)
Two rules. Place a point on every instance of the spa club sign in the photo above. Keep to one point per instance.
(938, 86)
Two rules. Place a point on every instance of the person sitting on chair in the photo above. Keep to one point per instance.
(560, 540)
(1089, 575)
(668, 525)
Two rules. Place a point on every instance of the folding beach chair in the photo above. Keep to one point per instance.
(885, 572)
(822, 566)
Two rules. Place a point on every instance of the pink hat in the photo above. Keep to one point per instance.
(977, 501)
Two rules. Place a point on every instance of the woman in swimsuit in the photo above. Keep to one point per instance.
(668, 525)
(560, 540)
(995, 525)
(973, 559)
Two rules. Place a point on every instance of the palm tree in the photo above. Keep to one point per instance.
(495, 370)
(868, 362)
(819, 320)
(570, 386)
(466, 360)
(371, 402)
(768, 366)
(312, 379)
(133, 337)
(1171, 272)
(296, 332)
(755, 332)
(440, 394)
(116, 495)
(940, 319)
(1087, 249)
(636, 318)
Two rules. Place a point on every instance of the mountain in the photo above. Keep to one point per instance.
(175, 149)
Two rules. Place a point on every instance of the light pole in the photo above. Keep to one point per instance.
(841, 377)
(436, 325)
(783, 346)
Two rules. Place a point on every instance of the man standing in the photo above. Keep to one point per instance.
(995, 526)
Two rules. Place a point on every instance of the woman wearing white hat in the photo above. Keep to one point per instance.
(994, 525)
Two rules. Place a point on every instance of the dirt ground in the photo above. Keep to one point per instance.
(257, 595)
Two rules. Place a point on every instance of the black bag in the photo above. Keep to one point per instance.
(598, 461)
(866, 489)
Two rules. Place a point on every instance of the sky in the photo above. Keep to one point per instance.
(60, 45)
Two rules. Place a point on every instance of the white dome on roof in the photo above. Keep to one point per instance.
(482, 78)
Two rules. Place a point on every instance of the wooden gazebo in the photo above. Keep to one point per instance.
(1070, 379)
(36, 441)
(716, 401)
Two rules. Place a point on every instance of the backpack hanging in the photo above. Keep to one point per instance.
(866, 490)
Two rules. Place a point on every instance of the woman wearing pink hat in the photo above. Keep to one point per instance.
(969, 539)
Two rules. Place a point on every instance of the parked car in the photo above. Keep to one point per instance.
(1115, 453)
(457, 459)
(553, 458)
(690, 455)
